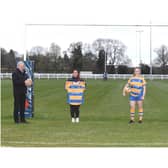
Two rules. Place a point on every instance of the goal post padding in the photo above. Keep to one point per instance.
(29, 103)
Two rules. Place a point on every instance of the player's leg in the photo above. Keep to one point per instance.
(77, 113)
(132, 111)
(72, 113)
(140, 110)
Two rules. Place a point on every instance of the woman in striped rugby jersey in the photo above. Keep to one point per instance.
(75, 88)
(136, 86)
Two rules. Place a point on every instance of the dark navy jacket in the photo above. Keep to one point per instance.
(18, 79)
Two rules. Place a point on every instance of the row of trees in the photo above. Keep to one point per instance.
(8, 60)
(84, 57)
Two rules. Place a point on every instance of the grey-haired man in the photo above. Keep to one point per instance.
(20, 83)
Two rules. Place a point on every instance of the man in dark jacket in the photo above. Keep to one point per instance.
(20, 83)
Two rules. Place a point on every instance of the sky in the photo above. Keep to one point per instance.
(14, 14)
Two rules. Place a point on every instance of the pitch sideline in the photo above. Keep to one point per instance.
(80, 144)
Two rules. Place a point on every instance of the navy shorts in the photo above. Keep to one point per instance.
(135, 98)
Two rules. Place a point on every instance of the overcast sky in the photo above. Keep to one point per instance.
(14, 14)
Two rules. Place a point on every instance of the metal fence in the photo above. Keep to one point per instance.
(85, 76)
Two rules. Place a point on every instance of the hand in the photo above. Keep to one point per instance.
(28, 82)
(143, 97)
(124, 94)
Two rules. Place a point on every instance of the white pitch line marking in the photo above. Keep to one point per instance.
(97, 144)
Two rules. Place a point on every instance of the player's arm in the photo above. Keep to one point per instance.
(144, 92)
(144, 89)
(127, 85)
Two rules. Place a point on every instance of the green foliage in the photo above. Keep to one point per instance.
(100, 61)
(76, 55)
(145, 69)
(122, 69)
(8, 62)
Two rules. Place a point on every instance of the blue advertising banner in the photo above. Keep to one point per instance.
(29, 103)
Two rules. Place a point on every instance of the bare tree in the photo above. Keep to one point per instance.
(162, 55)
(55, 50)
(162, 58)
(37, 51)
(114, 50)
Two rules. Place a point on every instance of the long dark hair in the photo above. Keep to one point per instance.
(78, 77)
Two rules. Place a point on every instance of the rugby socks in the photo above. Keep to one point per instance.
(140, 114)
(132, 114)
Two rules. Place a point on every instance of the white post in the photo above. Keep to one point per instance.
(140, 58)
(151, 49)
(105, 60)
(25, 47)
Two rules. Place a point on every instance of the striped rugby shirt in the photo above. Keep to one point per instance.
(75, 91)
(136, 84)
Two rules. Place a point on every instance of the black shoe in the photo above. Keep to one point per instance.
(24, 122)
(131, 122)
(140, 122)
(16, 122)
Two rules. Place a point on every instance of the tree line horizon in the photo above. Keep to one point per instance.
(85, 57)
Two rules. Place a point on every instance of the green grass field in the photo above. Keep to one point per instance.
(104, 117)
